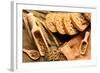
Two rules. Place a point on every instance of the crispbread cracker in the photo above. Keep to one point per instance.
(79, 21)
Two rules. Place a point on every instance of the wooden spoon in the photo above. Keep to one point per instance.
(33, 54)
(37, 34)
(84, 43)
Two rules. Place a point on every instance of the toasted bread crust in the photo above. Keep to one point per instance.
(79, 21)
(59, 23)
(50, 22)
(87, 16)
(68, 25)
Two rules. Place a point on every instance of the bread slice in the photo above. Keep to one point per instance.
(50, 22)
(87, 16)
(59, 23)
(70, 29)
(79, 21)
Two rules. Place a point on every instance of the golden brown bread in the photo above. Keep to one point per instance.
(87, 16)
(50, 22)
(70, 29)
(67, 23)
(59, 23)
(79, 21)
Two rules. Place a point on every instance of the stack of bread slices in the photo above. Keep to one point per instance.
(67, 23)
